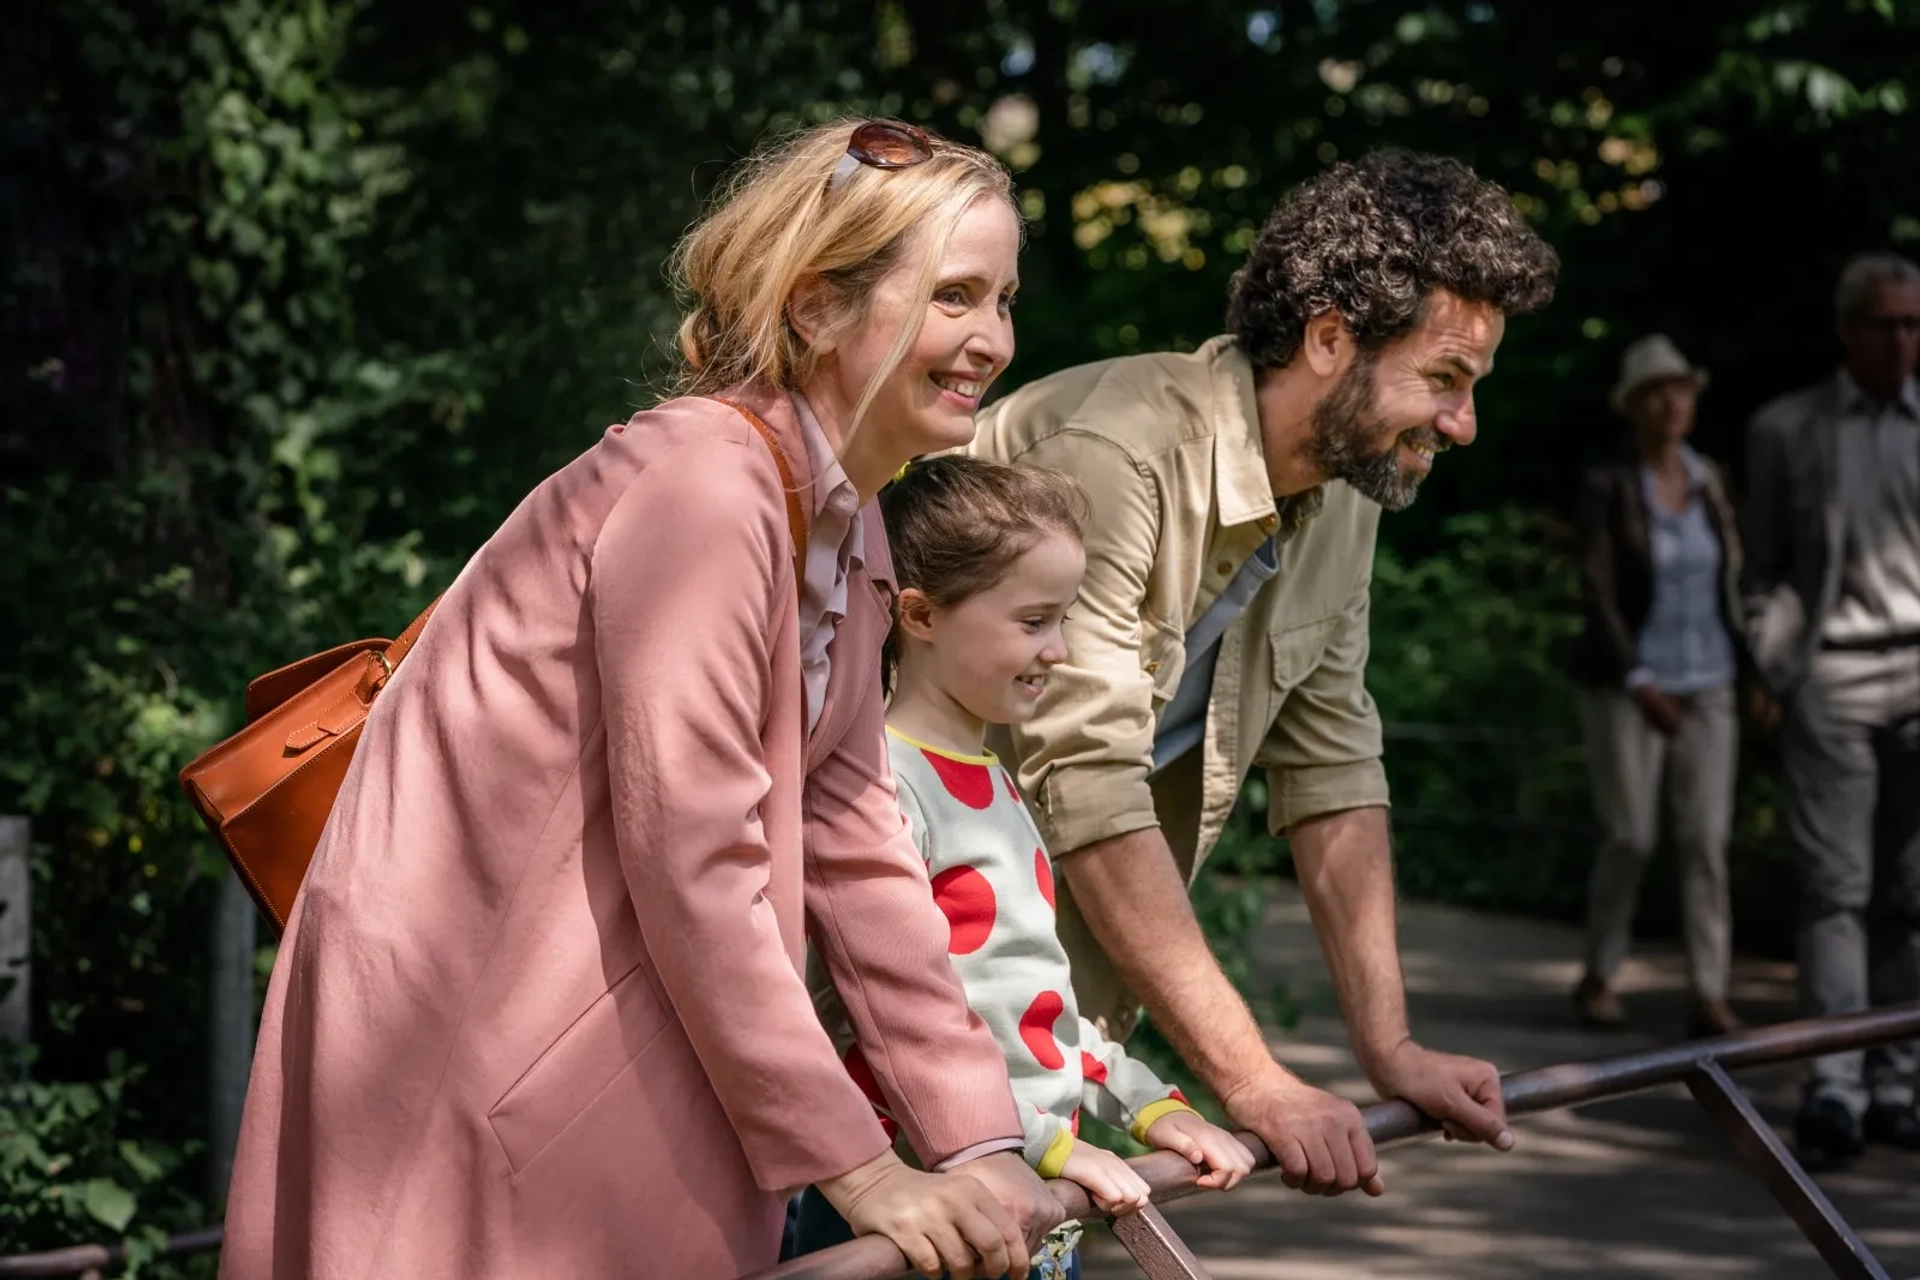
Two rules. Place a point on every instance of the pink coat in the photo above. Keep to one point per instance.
(539, 1010)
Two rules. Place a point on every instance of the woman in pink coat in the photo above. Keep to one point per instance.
(539, 1010)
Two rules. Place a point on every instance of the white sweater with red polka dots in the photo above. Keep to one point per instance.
(994, 882)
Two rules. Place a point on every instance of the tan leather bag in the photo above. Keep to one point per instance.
(266, 791)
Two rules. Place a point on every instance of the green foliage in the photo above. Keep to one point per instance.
(304, 295)
(68, 1172)
(230, 536)
(1489, 783)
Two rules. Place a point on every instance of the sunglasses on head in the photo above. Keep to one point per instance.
(883, 144)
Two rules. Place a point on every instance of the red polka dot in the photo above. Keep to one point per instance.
(1179, 1097)
(970, 784)
(1094, 1070)
(1011, 789)
(1043, 872)
(966, 900)
(1076, 1122)
(1036, 1029)
(862, 1073)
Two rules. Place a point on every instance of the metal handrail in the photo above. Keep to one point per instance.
(94, 1259)
(1527, 1093)
(1701, 1064)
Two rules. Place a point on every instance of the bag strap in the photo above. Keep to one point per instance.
(381, 663)
(796, 514)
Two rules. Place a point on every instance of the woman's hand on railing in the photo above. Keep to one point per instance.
(1020, 1191)
(940, 1221)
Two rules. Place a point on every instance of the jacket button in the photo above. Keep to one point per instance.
(1224, 568)
(1153, 668)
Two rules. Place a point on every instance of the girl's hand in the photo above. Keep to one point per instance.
(941, 1222)
(1207, 1145)
(1111, 1181)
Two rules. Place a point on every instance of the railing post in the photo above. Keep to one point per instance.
(229, 1028)
(1836, 1242)
(1154, 1245)
(16, 931)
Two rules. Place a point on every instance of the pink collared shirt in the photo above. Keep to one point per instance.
(835, 545)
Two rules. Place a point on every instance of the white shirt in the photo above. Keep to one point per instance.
(1880, 577)
(835, 545)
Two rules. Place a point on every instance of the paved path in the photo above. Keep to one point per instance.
(1635, 1189)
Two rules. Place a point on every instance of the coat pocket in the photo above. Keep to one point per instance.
(576, 1068)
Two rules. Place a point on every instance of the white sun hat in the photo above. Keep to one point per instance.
(1649, 359)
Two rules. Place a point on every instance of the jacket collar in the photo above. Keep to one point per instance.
(1243, 492)
(1854, 400)
(777, 409)
(1692, 463)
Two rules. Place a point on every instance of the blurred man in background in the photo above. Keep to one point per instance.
(1833, 604)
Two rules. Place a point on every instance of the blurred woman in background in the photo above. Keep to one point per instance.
(1659, 552)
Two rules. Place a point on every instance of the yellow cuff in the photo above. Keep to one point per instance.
(1144, 1118)
(1056, 1155)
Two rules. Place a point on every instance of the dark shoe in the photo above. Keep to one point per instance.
(1826, 1135)
(1711, 1018)
(1893, 1126)
(1597, 1005)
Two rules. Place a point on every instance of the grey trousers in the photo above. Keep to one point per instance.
(1632, 765)
(1851, 748)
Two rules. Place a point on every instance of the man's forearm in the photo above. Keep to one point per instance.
(1345, 864)
(1133, 899)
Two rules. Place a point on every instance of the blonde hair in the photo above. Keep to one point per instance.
(773, 225)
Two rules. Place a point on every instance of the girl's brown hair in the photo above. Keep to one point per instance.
(774, 225)
(955, 525)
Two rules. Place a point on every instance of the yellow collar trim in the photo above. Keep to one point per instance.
(988, 758)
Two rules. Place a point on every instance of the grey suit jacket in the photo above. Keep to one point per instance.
(1804, 460)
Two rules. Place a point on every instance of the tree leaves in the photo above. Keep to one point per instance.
(108, 1203)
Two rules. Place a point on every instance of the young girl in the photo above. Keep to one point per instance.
(989, 559)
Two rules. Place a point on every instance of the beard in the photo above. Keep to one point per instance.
(1350, 441)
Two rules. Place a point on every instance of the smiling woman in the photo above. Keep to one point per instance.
(539, 1007)
(882, 291)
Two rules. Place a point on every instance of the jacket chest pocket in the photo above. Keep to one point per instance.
(1297, 649)
(1163, 657)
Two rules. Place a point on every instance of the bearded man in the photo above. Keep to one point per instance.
(1223, 624)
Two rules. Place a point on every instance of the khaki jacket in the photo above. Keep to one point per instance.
(1168, 448)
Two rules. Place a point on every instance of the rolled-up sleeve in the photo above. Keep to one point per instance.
(1323, 753)
(1085, 756)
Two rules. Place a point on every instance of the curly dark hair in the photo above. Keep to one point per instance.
(1372, 239)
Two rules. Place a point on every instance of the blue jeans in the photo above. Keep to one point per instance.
(819, 1225)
